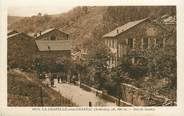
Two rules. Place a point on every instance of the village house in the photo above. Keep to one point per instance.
(21, 50)
(53, 45)
(133, 38)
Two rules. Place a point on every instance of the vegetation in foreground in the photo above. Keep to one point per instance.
(24, 89)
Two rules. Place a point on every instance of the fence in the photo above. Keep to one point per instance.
(140, 97)
(105, 95)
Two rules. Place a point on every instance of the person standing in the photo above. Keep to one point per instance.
(58, 77)
(52, 80)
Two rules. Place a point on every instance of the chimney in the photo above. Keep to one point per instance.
(35, 35)
(40, 32)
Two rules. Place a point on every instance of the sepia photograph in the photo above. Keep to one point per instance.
(91, 56)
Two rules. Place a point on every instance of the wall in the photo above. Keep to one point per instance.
(146, 29)
(140, 97)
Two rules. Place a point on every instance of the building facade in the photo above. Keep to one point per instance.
(53, 45)
(133, 39)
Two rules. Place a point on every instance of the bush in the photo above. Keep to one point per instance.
(137, 71)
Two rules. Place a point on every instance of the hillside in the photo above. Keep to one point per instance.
(13, 19)
(86, 23)
(24, 89)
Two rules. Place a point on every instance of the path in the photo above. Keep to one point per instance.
(80, 96)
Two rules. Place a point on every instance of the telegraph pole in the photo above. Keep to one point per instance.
(41, 96)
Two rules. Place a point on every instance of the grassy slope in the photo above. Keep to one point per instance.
(24, 90)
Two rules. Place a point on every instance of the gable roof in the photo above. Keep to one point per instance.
(124, 28)
(12, 32)
(18, 33)
(56, 45)
(50, 30)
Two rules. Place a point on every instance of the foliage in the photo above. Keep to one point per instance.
(62, 64)
(120, 15)
(24, 90)
(97, 57)
(159, 64)
(81, 21)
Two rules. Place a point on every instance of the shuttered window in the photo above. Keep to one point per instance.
(53, 37)
(130, 43)
(145, 43)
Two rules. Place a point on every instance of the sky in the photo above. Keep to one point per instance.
(34, 10)
(33, 7)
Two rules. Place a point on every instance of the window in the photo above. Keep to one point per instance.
(53, 37)
(133, 60)
(106, 43)
(160, 42)
(113, 43)
(130, 43)
(145, 43)
(109, 42)
(49, 47)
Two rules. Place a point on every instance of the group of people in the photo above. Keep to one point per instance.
(61, 77)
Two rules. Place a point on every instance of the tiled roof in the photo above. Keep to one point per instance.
(47, 31)
(31, 34)
(12, 35)
(124, 28)
(11, 32)
(51, 29)
(63, 31)
(15, 34)
(53, 45)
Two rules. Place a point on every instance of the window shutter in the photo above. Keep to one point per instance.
(116, 43)
(119, 50)
(149, 39)
(126, 41)
(105, 41)
(142, 40)
(134, 43)
(111, 43)
(133, 60)
(108, 42)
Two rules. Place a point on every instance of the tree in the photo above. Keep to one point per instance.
(39, 14)
(97, 58)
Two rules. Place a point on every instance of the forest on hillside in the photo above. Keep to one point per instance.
(84, 23)
(87, 24)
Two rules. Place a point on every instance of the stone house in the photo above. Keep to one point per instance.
(134, 38)
(53, 45)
